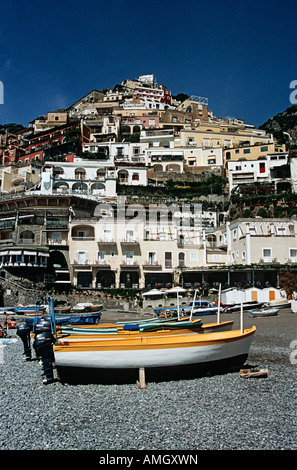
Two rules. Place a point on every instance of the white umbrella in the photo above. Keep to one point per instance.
(175, 290)
(153, 292)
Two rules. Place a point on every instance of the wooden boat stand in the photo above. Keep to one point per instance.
(246, 373)
(141, 383)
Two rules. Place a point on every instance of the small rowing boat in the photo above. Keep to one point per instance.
(87, 307)
(30, 310)
(264, 312)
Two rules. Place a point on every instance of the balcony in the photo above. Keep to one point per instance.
(58, 242)
(130, 241)
(129, 264)
(57, 224)
(151, 265)
(7, 224)
(87, 239)
(100, 263)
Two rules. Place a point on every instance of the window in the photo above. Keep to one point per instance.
(206, 142)
(136, 150)
(267, 254)
(135, 177)
(80, 174)
(211, 161)
(129, 257)
(107, 236)
(129, 235)
(101, 256)
(168, 259)
(81, 256)
(181, 259)
(264, 149)
(280, 230)
(262, 167)
(194, 257)
(152, 258)
(246, 150)
(293, 254)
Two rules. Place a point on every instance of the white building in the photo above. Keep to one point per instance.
(83, 177)
(272, 167)
(259, 241)
(129, 152)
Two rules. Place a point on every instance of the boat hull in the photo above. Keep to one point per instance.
(155, 352)
(272, 312)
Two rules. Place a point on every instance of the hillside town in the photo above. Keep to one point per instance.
(133, 188)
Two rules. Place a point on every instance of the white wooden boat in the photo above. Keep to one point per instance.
(162, 351)
(264, 312)
(86, 307)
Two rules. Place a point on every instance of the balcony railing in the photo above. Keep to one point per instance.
(129, 264)
(58, 242)
(83, 238)
(57, 224)
(151, 265)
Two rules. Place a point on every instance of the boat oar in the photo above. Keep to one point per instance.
(193, 304)
(241, 314)
(219, 306)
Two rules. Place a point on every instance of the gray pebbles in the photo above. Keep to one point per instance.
(214, 412)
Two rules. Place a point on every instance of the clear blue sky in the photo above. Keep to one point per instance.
(242, 55)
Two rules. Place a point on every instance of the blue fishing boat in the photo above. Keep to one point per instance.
(30, 310)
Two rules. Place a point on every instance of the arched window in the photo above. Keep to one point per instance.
(27, 237)
(80, 174)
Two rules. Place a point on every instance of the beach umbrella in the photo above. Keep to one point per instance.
(153, 292)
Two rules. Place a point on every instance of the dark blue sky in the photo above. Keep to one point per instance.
(242, 55)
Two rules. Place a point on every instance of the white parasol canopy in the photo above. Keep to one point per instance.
(176, 289)
(153, 292)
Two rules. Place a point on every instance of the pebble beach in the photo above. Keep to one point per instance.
(211, 412)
